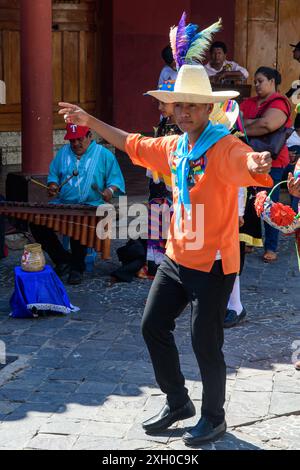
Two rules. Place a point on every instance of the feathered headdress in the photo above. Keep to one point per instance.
(187, 44)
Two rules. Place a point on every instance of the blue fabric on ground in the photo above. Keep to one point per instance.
(42, 290)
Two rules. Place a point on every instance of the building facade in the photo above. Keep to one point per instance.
(106, 53)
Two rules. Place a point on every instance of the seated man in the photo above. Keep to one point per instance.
(97, 176)
(219, 68)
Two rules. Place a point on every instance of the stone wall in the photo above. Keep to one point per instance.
(10, 146)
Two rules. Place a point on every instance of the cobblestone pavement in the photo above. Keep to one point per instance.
(85, 381)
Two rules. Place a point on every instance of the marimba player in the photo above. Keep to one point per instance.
(82, 172)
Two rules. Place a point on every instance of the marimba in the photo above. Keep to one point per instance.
(243, 89)
(76, 221)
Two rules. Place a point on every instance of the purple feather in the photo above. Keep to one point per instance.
(181, 41)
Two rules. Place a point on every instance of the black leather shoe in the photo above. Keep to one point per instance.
(203, 431)
(75, 278)
(62, 269)
(165, 418)
(233, 319)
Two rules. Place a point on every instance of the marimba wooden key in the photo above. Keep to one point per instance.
(76, 221)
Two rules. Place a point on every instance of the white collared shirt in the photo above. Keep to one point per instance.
(228, 66)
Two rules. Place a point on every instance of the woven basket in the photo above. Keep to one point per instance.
(266, 215)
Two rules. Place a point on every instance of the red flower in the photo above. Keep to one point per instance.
(282, 215)
(259, 202)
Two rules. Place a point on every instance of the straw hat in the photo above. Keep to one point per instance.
(192, 86)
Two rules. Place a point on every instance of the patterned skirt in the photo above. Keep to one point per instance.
(251, 231)
(159, 216)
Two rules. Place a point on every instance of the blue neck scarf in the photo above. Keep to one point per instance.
(211, 135)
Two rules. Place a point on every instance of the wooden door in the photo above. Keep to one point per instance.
(10, 115)
(74, 57)
(263, 31)
(288, 33)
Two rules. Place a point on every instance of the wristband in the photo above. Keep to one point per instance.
(111, 190)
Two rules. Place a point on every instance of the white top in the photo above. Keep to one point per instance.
(167, 73)
(242, 201)
(294, 139)
(228, 66)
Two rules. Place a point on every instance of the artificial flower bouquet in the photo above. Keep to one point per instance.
(279, 216)
(276, 214)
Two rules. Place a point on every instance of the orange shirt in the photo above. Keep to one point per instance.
(215, 193)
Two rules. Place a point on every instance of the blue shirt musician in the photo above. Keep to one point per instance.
(82, 172)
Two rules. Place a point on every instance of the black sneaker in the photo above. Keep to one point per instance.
(233, 319)
(75, 278)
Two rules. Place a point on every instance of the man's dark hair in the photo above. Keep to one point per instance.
(218, 44)
(167, 55)
(270, 73)
(297, 122)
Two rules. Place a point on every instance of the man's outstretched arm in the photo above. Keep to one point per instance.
(75, 115)
(143, 151)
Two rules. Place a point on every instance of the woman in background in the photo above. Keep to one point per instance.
(265, 113)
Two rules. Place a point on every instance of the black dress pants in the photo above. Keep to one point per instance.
(208, 293)
(51, 244)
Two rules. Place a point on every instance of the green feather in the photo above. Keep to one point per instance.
(201, 43)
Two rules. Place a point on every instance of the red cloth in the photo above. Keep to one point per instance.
(251, 110)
